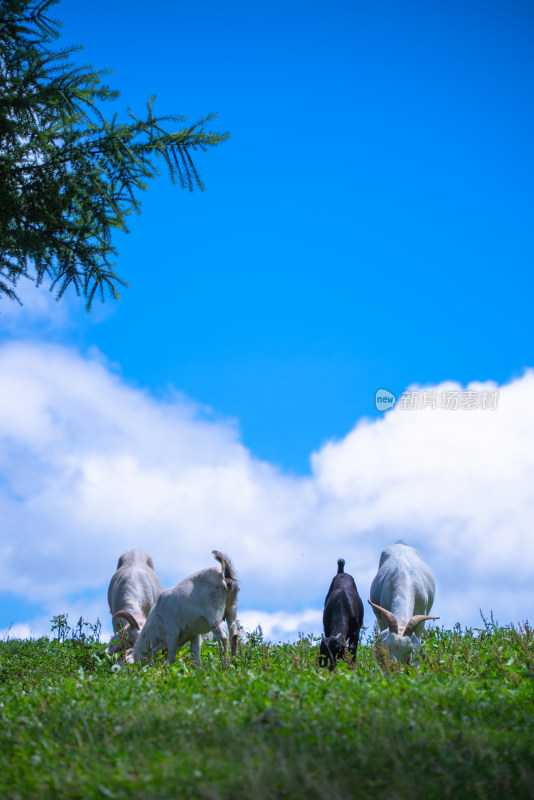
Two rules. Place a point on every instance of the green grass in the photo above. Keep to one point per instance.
(272, 724)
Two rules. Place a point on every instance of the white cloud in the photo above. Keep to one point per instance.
(22, 630)
(280, 626)
(90, 467)
(38, 310)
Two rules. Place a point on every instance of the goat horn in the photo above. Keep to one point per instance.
(128, 616)
(390, 618)
(414, 622)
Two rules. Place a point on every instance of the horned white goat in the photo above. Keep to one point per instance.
(133, 590)
(402, 594)
(195, 606)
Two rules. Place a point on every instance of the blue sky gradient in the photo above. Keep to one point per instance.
(368, 225)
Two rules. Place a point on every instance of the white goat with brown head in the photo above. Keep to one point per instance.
(197, 605)
(133, 590)
(402, 594)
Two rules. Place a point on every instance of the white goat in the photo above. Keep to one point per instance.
(195, 606)
(133, 590)
(402, 594)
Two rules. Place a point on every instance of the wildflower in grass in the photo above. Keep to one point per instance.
(116, 669)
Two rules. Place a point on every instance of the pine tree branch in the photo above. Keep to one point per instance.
(69, 176)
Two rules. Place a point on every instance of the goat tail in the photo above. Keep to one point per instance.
(227, 568)
(340, 565)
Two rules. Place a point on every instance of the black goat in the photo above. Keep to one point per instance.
(342, 618)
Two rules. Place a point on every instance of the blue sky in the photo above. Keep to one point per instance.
(369, 224)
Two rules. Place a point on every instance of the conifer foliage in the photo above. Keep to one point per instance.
(69, 176)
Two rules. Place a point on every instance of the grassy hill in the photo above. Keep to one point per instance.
(459, 724)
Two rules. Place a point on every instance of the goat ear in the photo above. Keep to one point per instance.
(113, 647)
(323, 637)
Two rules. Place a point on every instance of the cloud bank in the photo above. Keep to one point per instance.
(90, 467)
